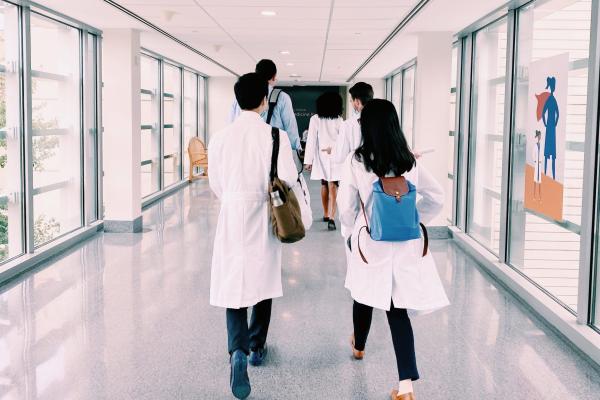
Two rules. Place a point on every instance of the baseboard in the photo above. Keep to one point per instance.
(438, 232)
(115, 226)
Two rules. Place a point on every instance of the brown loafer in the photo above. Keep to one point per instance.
(358, 354)
(405, 396)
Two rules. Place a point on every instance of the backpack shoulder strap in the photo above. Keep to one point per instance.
(275, 154)
(425, 239)
(273, 99)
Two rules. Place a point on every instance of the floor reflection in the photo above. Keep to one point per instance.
(126, 316)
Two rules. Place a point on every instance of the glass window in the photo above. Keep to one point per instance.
(150, 130)
(202, 109)
(56, 105)
(91, 129)
(190, 114)
(172, 124)
(549, 131)
(408, 103)
(451, 132)
(11, 172)
(487, 128)
(397, 92)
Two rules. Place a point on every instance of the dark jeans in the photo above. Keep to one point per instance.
(402, 337)
(242, 337)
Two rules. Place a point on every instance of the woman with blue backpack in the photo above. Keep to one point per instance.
(390, 267)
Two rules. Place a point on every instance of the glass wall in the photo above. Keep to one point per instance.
(400, 90)
(190, 115)
(11, 140)
(487, 129)
(547, 178)
(48, 80)
(173, 111)
(202, 108)
(172, 124)
(527, 171)
(449, 206)
(408, 104)
(396, 94)
(150, 130)
(56, 128)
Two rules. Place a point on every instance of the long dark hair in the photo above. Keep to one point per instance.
(384, 148)
(330, 105)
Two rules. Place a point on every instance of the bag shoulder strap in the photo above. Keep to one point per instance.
(273, 99)
(275, 154)
(425, 239)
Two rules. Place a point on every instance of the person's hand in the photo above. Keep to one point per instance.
(308, 167)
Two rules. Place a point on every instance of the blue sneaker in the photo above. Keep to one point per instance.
(257, 356)
(240, 384)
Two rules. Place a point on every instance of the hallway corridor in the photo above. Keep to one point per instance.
(126, 316)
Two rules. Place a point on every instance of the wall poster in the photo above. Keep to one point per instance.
(546, 131)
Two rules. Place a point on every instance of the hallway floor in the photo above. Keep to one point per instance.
(126, 316)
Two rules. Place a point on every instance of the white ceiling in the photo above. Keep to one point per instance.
(235, 32)
(327, 39)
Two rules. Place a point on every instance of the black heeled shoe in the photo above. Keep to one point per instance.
(331, 225)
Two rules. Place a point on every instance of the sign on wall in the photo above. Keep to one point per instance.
(546, 133)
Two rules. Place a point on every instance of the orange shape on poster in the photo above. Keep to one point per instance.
(551, 202)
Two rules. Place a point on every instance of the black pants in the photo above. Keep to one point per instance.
(242, 337)
(402, 337)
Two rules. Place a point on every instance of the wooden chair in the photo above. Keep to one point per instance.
(198, 155)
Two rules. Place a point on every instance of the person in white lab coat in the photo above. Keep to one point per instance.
(319, 157)
(350, 136)
(246, 261)
(397, 278)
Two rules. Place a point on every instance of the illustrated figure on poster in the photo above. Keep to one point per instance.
(537, 163)
(550, 115)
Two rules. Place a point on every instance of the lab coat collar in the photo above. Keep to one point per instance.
(250, 115)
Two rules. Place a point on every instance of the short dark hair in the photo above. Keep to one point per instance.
(384, 148)
(330, 105)
(362, 91)
(250, 90)
(266, 68)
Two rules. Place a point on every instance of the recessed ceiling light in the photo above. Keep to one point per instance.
(284, 52)
(358, 33)
(268, 13)
(295, 76)
(290, 64)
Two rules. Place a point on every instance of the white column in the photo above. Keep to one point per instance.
(432, 102)
(121, 139)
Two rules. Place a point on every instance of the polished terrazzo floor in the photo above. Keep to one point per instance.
(126, 316)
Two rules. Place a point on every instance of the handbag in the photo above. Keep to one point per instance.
(286, 217)
(394, 217)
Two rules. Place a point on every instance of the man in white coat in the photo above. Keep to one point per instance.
(246, 263)
(350, 136)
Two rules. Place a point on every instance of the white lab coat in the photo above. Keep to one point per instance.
(246, 261)
(349, 139)
(396, 271)
(322, 134)
(538, 155)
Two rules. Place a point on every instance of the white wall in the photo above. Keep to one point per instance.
(121, 117)
(220, 99)
(432, 106)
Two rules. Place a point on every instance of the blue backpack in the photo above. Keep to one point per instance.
(394, 217)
